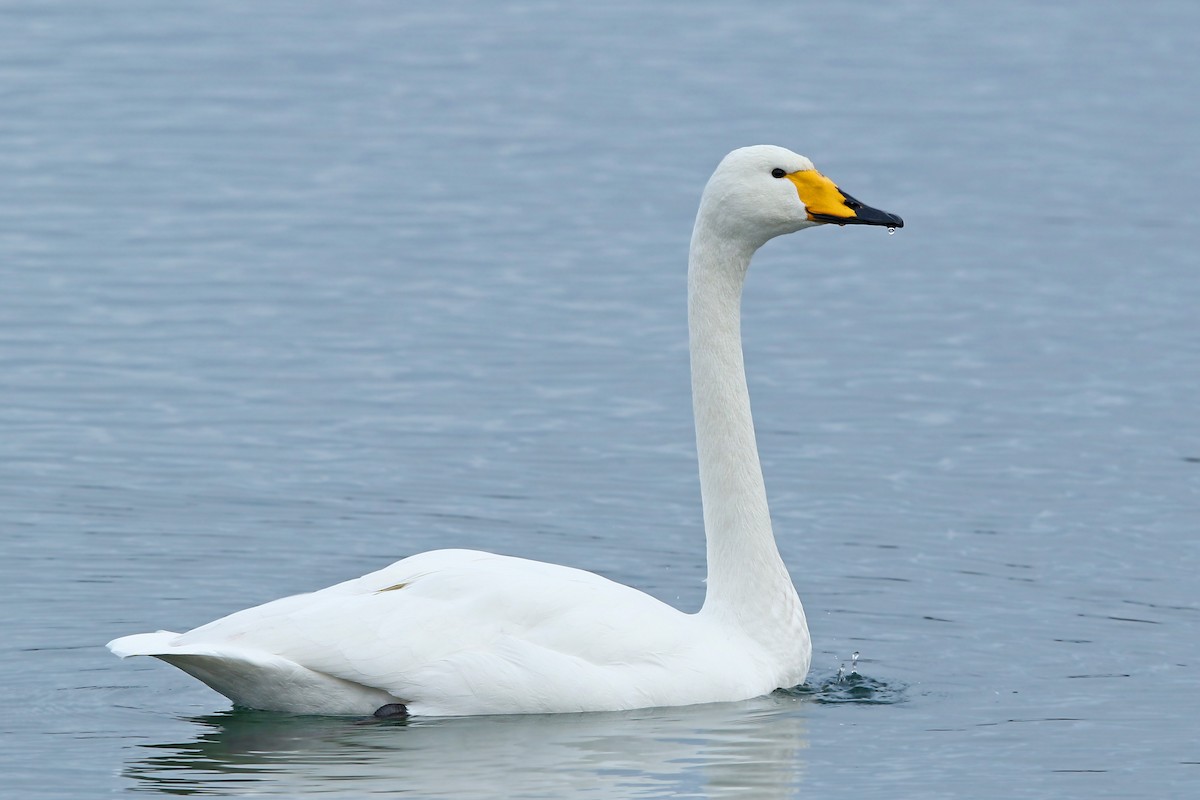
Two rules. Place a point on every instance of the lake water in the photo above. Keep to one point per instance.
(290, 291)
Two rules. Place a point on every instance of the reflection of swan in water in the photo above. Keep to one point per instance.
(454, 632)
(746, 749)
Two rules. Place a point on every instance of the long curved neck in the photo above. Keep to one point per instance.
(747, 579)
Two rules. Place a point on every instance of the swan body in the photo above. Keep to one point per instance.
(459, 632)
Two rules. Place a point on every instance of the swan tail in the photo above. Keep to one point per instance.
(257, 679)
(142, 644)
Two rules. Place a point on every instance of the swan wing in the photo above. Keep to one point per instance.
(446, 632)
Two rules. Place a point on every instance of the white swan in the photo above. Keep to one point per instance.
(458, 632)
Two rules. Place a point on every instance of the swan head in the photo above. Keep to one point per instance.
(760, 192)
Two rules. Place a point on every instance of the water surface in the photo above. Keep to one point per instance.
(292, 291)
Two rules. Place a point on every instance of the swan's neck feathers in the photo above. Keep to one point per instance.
(748, 583)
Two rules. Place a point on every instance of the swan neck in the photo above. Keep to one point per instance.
(747, 579)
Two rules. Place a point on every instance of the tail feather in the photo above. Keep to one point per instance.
(142, 644)
(257, 679)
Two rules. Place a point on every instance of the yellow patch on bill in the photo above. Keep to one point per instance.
(819, 194)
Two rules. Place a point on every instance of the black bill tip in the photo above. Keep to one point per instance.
(862, 215)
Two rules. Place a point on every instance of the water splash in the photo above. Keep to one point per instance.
(848, 687)
(891, 230)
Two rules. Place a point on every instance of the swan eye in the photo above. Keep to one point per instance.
(777, 173)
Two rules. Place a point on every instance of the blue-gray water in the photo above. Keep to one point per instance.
(288, 291)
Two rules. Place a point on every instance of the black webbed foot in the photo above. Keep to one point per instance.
(392, 711)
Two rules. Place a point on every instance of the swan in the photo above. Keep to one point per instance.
(463, 632)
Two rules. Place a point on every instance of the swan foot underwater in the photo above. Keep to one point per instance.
(463, 632)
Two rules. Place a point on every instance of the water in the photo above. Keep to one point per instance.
(293, 290)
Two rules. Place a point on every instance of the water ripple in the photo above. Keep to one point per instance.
(848, 688)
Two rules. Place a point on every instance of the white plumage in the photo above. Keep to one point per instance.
(456, 632)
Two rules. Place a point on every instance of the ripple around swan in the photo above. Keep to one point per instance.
(850, 687)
